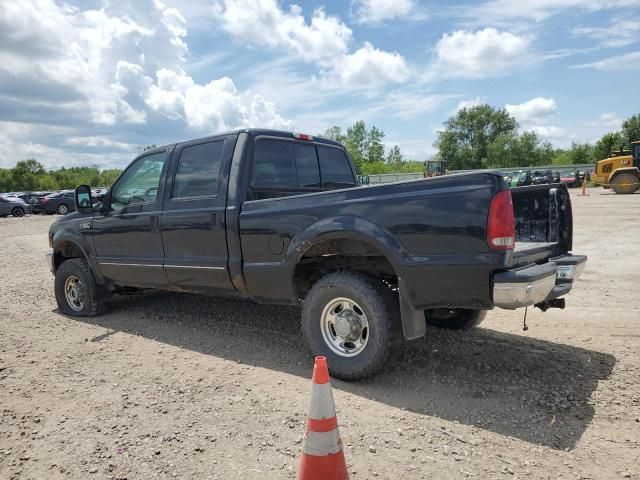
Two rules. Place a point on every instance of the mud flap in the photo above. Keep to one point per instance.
(414, 324)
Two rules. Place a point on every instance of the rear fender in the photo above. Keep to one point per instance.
(356, 228)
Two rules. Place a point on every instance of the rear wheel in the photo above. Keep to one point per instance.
(625, 183)
(454, 319)
(350, 318)
(77, 293)
(18, 212)
(62, 209)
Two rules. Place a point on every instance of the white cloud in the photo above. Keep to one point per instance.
(469, 103)
(549, 131)
(376, 11)
(607, 121)
(98, 141)
(216, 106)
(122, 64)
(324, 41)
(622, 31)
(534, 111)
(498, 11)
(628, 61)
(483, 53)
(535, 115)
(369, 65)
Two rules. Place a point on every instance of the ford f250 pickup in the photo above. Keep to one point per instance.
(278, 217)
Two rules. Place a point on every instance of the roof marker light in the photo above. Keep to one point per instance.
(303, 136)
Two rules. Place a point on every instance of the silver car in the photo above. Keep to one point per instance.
(13, 206)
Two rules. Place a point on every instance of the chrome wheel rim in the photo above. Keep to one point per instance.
(344, 327)
(75, 293)
(62, 209)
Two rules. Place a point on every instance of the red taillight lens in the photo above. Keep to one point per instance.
(44, 200)
(501, 229)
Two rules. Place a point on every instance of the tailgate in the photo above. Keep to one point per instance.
(544, 224)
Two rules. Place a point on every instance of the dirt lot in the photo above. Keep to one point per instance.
(181, 386)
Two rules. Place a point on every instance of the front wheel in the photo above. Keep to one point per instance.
(77, 293)
(454, 319)
(350, 318)
(62, 209)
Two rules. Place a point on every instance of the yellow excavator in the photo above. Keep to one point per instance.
(621, 171)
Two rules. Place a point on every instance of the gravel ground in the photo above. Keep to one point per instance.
(181, 386)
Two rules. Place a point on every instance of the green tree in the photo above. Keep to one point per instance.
(394, 157)
(464, 141)
(334, 133)
(373, 145)
(356, 142)
(26, 174)
(610, 142)
(580, 153)
(631, 129)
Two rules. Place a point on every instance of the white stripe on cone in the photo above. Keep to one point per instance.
(322, 443)
(321, 403)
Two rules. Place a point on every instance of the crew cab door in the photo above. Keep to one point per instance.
(193, 216)
(127, 237)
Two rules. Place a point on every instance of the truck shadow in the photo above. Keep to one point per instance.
(520, 387)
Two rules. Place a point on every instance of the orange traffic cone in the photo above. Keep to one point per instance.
(322, 455)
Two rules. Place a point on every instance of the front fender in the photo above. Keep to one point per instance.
(62, 238)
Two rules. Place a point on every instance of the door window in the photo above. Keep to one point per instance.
(198, 170)
(335, 169)
(139, 183)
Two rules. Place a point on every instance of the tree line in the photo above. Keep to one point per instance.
(488, 137)
(477, 137)
(30, 175)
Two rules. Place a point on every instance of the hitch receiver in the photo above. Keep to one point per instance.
(552, 303)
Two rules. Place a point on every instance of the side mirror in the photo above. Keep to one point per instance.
(82, 197)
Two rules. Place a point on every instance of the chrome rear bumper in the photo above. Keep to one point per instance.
(535, 284)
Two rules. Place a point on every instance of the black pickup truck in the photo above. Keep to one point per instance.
(278, 218)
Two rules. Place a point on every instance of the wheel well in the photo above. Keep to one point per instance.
(66, 251)
(339, 255)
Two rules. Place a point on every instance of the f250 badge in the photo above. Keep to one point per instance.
(85, 226)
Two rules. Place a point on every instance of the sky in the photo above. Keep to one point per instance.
(92, 82)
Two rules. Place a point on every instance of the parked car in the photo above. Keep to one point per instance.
(59, 202)
(13, 206)
(570, 178)
(542, 177)
(277, 217)
(521, 178)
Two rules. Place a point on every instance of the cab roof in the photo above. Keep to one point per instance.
(255, 132)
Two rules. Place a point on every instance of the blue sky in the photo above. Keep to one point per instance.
(92, 82)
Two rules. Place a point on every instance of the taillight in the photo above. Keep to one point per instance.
(44, 200)
(501, 229)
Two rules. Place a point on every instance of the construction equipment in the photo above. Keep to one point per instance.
(621, 171)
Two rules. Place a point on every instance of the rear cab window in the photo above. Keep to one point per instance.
(284, 167)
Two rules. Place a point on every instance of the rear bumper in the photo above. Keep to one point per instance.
(535, 284)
